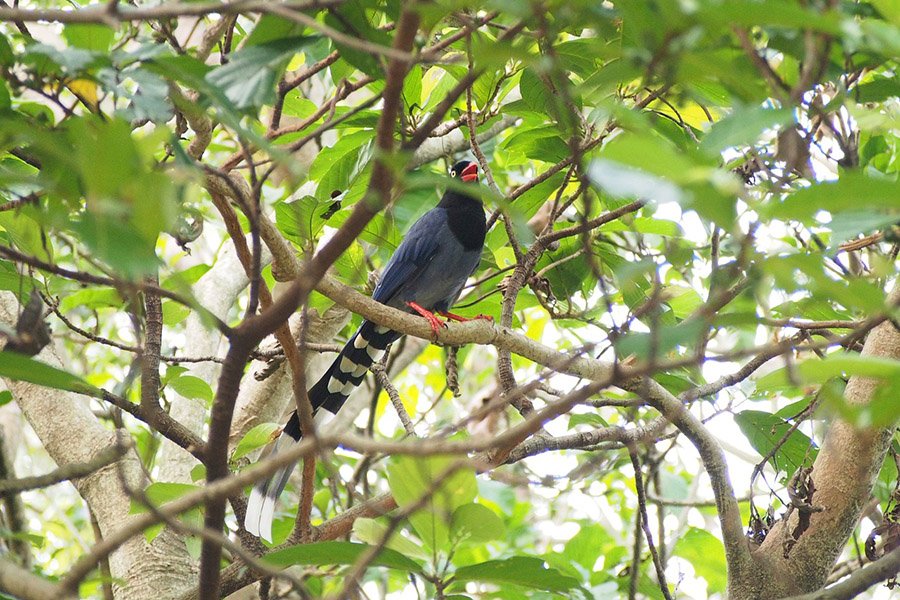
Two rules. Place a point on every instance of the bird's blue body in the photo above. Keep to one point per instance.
(429, 269)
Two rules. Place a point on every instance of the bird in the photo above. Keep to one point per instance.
(425, 275)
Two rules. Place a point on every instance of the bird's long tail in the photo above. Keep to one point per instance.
(327, 397)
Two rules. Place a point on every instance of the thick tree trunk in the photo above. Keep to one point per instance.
(844, 474)
(71, 433)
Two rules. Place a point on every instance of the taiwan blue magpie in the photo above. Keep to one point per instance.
(425, 275)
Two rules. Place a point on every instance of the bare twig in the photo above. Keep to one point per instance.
(645, 524)
(105, 457)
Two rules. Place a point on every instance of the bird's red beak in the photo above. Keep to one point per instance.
(470, 173)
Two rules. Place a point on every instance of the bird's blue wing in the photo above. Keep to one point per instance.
(418, 248)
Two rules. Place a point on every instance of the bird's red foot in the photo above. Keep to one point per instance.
(461, 319)
(435, 323)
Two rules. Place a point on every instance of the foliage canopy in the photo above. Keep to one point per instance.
(692, 204)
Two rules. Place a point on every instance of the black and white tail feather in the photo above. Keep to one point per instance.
(327, 397)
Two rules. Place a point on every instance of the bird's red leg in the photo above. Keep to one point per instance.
(435, 323)
(461, 319)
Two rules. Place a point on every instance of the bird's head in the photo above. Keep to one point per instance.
(465, 170)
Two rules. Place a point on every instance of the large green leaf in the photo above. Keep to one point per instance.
(11, 281)
(764, 431)
(256, 438)
(339, 553)
(849, 193)
(89, 36)
(190, 386)
(819, 370)
(163, 492)
(26, 234)
(476, 523)
(412, 478)
(248, 79)
(624, 181)
(526, 571)
(117, 244)
(663, 340)
(742, 127)
(335, 166)
(18, 367)
(372, 532)
(707, 555)
(351, 19)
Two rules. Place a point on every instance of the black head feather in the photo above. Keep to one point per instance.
(464, 210)
(457, 169)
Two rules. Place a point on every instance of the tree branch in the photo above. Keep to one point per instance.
(882, 569)
(26, 585)
(114, 13)
(103, 458)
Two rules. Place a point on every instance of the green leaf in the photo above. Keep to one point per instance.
(351, 19)
(174, 313)
(540, 143)
(476, 523)
(6, 54)
(90, 298)
(850, 224)
(26, 234)
(592, 419)
(11, 281)
(334, 166)
(707, 555)
(764, 431)
(257, 437)
(586, 546)
(5, 98)
(567, 277)
(534, 92)
(301, 220)
(270, 28)
(118, 244)
(18, 367)
(879, 89)
(198, 472)
(410, 478)
(107, 157)
(668, 161)
(89, 36)
(339, 553)
(819, 370)
(372, 532)
(526, 571)
(646, 225)
(665, 339)
(248, 79)
(623, 181)
(682, 300)
(190, 386)
(5, 397)
(852, 190)
(743, 127)
(159, 493)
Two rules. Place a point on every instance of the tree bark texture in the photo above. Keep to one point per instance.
(70, 433)
(844, 474)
